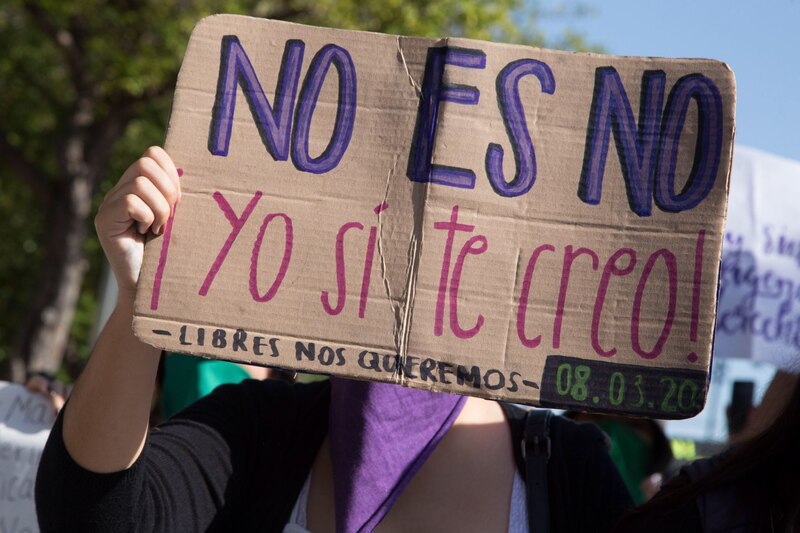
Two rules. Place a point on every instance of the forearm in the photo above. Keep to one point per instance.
(106, 418)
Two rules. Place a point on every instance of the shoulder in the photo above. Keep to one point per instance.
(571, 438)
(273, 392)
(580, 474)
(571, 431)
(573, 444)
(580, 450)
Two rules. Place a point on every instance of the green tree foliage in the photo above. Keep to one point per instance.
(86, 87)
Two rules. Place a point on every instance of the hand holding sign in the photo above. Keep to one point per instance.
(141, 202)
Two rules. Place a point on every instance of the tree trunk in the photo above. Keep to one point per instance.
(42, 339)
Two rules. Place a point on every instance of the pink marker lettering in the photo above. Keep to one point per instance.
(522, 308)
(569, 257)
(162, 258)
(451, 226)
(672, 274)
(373, 235)
(287, 255)
(237, 224)
(162, 262)
(611, 268)
(698, 283)
(341, 279)
(468, 248)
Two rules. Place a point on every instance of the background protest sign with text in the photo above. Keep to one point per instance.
(759, 297)
(25, 422)
(455, 215)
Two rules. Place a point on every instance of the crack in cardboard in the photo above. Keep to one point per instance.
(414, 248)
(514, 288)
(396, 306)
(419, 200)
(402, 55)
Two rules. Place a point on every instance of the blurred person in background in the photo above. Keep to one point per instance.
(753, 486)
(185, 379)
(639, 448)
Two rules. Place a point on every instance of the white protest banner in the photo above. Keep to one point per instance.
(759, 299)
(25, 422)
(455, 215)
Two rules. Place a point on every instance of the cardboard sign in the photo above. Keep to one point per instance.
(25, 422)
(759, 297)
(455, 215)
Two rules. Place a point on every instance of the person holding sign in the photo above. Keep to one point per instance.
(269, 456)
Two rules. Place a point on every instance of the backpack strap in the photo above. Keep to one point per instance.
(536, 450)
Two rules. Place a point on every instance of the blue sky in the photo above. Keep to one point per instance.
(759, 40)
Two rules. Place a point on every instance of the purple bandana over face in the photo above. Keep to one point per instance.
(380, 435)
